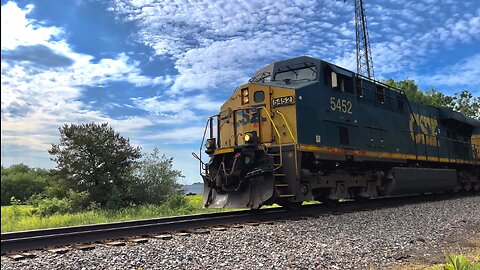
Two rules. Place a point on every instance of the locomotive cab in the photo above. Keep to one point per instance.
(253, 129)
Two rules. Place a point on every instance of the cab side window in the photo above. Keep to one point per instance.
(380, 94)
(342, 83)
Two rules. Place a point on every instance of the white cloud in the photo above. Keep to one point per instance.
(178, 135)
(159, 105)
(400, 44)
(17, 29)
(462, 74)
(219, 44)
(36, 100)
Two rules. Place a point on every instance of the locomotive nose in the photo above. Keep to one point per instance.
(239, 180)
(258, 191)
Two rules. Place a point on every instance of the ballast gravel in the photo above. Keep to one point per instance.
(374, 239)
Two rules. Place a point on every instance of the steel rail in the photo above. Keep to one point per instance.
(38, 239)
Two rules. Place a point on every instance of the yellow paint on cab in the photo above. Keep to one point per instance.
(238, 118)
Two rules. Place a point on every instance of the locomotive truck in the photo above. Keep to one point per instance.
(304, 129)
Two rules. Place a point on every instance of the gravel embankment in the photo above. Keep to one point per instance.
(377, 239)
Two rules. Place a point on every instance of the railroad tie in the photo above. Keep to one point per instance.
(235, 226)
(21, 256)
(219, 229)
(138, 240)
(61, 250)
(253, 224)
(16, 257)
(84, 247)
(201, 231)
(115, 243)
(268, 222)
(163, 236)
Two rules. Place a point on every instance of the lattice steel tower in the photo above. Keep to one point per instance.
(364, 53)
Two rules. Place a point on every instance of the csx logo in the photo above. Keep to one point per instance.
(245, 118)
(428, 127)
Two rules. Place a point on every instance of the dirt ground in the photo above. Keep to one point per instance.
(469, 246)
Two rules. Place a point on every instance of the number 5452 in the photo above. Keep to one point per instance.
(342, 105)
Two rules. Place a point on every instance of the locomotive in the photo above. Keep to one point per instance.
(304, 129)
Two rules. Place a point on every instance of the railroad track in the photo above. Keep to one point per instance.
(37, 239)
(47, 238)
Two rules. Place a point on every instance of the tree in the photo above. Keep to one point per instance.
(94, 158)
(156, 178)
(21, 182)
(467, 104)
(438, 99)
(463, 102)
(410, 88)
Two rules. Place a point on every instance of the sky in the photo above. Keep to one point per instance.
(156, 70)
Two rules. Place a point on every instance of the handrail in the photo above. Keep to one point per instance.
(294, 141)
(279, 137)
(201, 146)
(360, 76)
(288, 127)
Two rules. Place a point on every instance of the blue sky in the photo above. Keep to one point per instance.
(155, 70)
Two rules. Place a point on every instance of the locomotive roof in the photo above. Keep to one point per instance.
(297, 62)
(265, 76)
(448, 114)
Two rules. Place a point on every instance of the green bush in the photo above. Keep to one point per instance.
(79, 200)
(50, 206)
(21, 182)
(72, 203)
(176, 201)
(36, 199)
(14, 202)
(154, 180)
(460, 262)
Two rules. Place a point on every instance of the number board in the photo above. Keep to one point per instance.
(282, 101)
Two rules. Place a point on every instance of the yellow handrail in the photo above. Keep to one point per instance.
(288, 126)
(294, 141)
(278, 134)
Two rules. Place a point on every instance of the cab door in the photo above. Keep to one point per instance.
(283, 111)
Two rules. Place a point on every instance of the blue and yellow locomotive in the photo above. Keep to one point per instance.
(304, 129)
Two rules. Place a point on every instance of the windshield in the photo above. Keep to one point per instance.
(307, 72)
(262, 77)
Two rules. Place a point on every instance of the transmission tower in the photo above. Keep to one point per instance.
(363, 50)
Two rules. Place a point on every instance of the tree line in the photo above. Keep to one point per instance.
(95, 168)
(464, 102)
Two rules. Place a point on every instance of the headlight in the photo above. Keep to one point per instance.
(210, 144)
(245, 96)
(248, 138)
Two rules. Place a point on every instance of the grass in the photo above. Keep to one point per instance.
(471, 261)
(24, 217)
